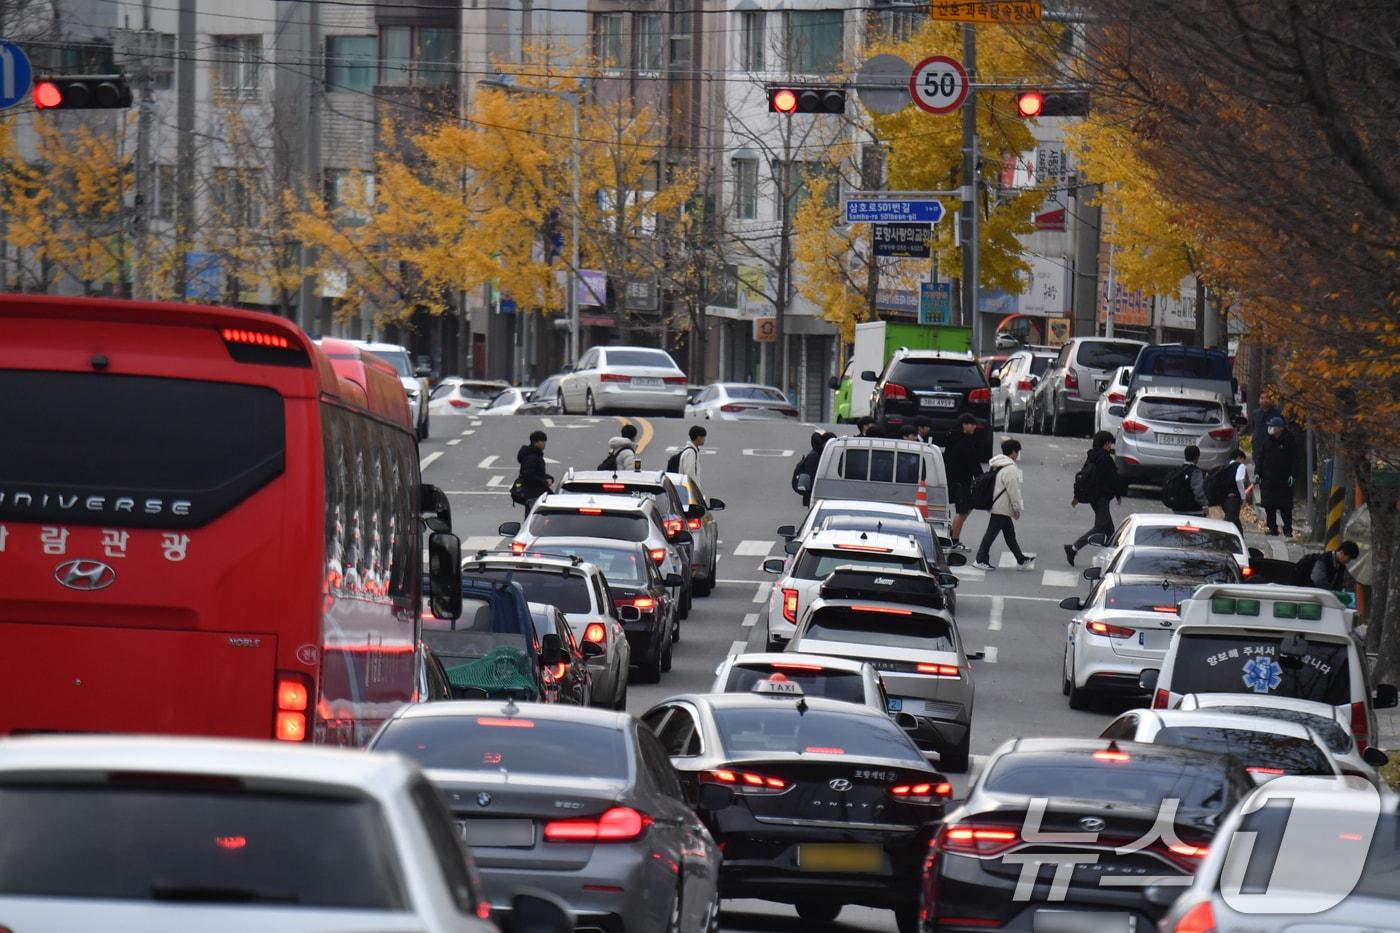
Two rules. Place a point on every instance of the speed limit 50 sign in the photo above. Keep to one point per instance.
(938, 84)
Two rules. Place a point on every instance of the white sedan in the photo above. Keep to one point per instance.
(1113, 395)
(623, 379)
(508, 401)
(740, 401)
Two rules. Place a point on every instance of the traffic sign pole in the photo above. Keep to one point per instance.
(971, 244)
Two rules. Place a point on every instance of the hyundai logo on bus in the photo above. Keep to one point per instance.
(85, 575)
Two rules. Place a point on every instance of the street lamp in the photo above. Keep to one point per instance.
(503, 83)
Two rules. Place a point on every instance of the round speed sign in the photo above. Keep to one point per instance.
(938, 84)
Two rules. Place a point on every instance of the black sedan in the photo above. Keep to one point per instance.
(814, 802)
(1067, 835)
(568, 676)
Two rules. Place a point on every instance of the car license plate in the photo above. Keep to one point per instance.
(938, 402)
(1083, 921)
(507, 834)
(1176, 440)
(646, 381)
(842, 857)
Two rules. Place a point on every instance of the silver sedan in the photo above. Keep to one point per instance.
(740, 401)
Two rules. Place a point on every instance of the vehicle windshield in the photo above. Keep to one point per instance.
(1163, 597)
(145, 838)
(781, 728)
(1180, 411)
(915, 373)
(568, 591)
(1213, 366)
(1332, 734)
(1241, 663)
(619, 565)
(916, 632)
(754, 393)
(1188, 536)
(1209, 567)
(813, 678)
(1080, 777)
(1103, 354)
(639, 358)
(1252, 749)
(518, 745)
(624, 526)
(815, 565)
(397, 359)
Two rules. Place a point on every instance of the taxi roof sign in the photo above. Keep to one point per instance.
(778, 685)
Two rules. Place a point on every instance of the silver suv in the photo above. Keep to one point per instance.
(1071, 385)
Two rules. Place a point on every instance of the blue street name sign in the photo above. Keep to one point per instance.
(871, 210)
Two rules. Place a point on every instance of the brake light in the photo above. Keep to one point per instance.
(975, 840)
(1188, 529)
(1246, 572)
(795, 666)
(922, 793)
(1360, 725)
(694, 524)
(292, 696)
(517, 547)
(1111, 631)
(1110, 755)
(894, 390)
(644, 602)
(873, 548)
(1025, 385)
(614, 487)
(673, 380)
(1071, 379)
(496, 722)
(732, 407)
(256, 338)
(596, 633)
(658, 554)
(1134, 427)
(939, 670)
(883, 610)
(1275, 772)
(620, 824)
(823, 750)
(1199, 919)
(1171, 609)
(459, 403)
(1160, 699)
(1116, 398)
(590, 511)
(979, 395)
(1223, 434)
(558, 671)
(790, 605)
(613, 377)
(672, 526)
(744, 782)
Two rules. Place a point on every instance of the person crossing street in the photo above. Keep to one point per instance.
(1096, 484)
(1007, 504)
(961, 458)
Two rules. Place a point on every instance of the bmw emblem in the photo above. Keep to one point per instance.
(483, 799)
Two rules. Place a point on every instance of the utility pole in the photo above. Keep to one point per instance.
(145, 189)
(184, 148)
(1110, 296)
(969, 219)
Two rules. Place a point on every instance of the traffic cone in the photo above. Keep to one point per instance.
(921, 499)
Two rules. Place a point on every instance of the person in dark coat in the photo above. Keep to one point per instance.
(962, 458)
(535, 480)
(807, 466)
(1106, 487)
(1274, 457)
(1266, 410)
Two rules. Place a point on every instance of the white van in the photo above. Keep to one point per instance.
(878, 469)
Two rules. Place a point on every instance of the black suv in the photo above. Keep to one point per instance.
(939, 386)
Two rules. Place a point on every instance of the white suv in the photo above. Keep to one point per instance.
(821, 553)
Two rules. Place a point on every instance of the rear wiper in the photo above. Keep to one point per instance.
(217, 894)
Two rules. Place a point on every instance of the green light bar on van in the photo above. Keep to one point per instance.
(1285, 610)
(1228, 605)
(1310, 612)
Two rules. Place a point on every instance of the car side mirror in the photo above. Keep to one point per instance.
(591, 649)
(551, 650)
(509, 529)
(674, 579)
(1386, 697)
(907, 721)
(834, 383)
(1161, 895)
(445, 574)
(956, 560)
(716, 505)
(1072, 603)
(787, 531)
(975, 655)
(629, 614)
(1256, 554)
(538, 912)
(1239, 421)
(1035, 380)
(947, 581)
(1147, 680)
(994, 382)
(1098, 540)
(1092, 573)
(713, 797)
(433, 507)
(792, 547)
(1375, 757)
(1118, 411)
(774, 565)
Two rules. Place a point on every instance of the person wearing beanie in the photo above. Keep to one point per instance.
(1274, 457)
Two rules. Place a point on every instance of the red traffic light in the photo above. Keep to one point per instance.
(1030, 103)
(46, 95)
(784, 101)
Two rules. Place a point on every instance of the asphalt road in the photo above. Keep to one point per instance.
(1012, 615)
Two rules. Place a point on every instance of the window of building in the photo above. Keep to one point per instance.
(746, 189)
(421, 56)
(83, 58)
(607, 39)
(236, 191)
(649, 49)
(350, 62)
(814, 41)
(349, 194)
(166, 192)
(237, 63)
(751, 35)
(898, 24)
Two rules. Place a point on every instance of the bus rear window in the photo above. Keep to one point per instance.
(172, 844)
(133, 451)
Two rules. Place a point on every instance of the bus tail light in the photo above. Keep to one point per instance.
(247, 345)
(293, 698)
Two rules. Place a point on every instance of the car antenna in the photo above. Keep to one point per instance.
(510, 709)
(801, 705)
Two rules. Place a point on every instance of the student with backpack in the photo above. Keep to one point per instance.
(622, 450)
(1184, 490)
(687, 459)
(534, 479)
(1096, 484)
(1004, 478)
(1229, 487)
(1326, 570)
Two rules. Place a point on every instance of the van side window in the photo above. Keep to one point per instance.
(908, 468)
(855, 464)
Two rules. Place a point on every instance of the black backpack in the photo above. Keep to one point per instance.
(673, 465)
(1220, 485)
(517, 491)
(1176, 491)
(1086, 483)
(1302, 572)
(980, 494)
(610, 461)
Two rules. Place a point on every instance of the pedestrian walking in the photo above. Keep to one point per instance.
(1234, 487)
(1096, 485)
(923, 425)
(1007, 504)
(1184, 490)
(1266, 410)
(864, 425)
(805, 472)
(1273, 458)
(534, 479)
(1328, 569)
(687, 459)
(622, 454)
(963, 461)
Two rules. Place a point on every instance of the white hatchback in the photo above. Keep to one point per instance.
(624, 379)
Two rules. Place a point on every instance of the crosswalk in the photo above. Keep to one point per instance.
(1060, 579)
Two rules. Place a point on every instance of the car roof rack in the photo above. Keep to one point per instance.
(889, 586)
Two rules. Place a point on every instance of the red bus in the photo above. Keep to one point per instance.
(204, 529)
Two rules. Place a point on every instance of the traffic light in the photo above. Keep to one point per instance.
(806, 100)
(1052, 104)
(81, 92)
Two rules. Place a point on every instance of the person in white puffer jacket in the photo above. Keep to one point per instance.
(1007, 503)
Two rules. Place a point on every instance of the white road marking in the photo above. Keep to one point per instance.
(739, 647)
(547, 422)
(496, 482)
(969, 572)
(754, 548)
(751, 620)
(468, 433)
(1007, 561)
(486, 462)
(1060, 578)
(475, 422)
(766, 452)
(763, 590)
(990, 654)
(429, 460)
(752, 582)
(454, 442)
(1279, 550)
(1053, 446)
(994, 614)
